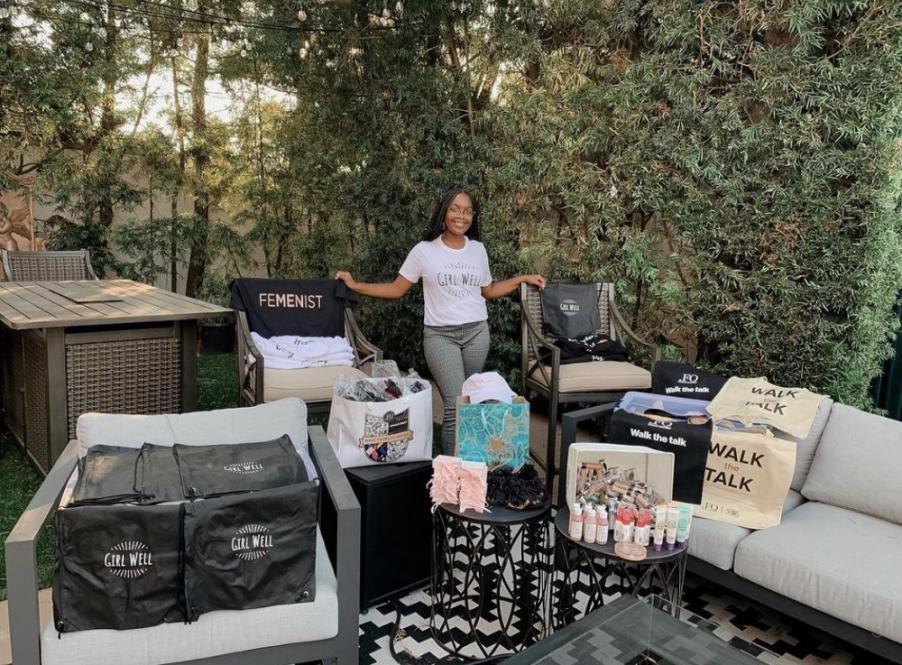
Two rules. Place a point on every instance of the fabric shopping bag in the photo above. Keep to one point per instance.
(684, 380)
(758, 402)
(106, 474)
(366, 433)
(119, 567)
(494, 433)
(747, 477)
(688, 442)
(250, 550)
(213, 470)
(569, 310)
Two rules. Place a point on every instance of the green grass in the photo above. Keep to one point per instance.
(217, 388)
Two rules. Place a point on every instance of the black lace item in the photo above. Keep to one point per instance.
(520, 489)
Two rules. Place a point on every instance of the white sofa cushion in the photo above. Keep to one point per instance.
(263, 422)
(840, 562)
(858, 464)
(313, 384)
(806, 448)
(716, 542)
(604, 375)
(213, 634)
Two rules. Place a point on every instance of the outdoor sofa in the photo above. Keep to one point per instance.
(324, 629)
(835, 560)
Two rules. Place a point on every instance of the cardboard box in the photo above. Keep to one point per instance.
(497, 434)
(652, 466)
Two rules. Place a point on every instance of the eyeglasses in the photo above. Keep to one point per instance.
(466, 212)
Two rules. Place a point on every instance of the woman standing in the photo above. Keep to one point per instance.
(454, 267)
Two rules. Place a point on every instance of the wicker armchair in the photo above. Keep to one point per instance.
(47, 266)
(591, 382)
(258, 384)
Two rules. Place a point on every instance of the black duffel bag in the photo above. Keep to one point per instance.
(684, 380)
(119, 567)
(106, 474)
(689, 444)
(209, 471)
(251, 550)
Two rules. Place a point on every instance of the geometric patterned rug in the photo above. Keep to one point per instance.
(768, 636)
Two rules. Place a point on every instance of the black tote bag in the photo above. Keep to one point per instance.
(684, 380)
(106, 474)
(157, 475)
(251, 550)
(688, 443)
(119, 567)
(208, 471)
(569, 310)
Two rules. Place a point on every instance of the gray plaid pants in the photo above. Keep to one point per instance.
(453, 353)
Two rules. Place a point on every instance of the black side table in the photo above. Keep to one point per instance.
(490, 577)
(662, 573)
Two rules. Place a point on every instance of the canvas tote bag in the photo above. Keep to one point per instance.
(372, 433)
(747, 478)
(758, 402)
(569, 310)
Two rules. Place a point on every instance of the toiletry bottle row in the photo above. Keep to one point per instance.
(589, 525)
(670, 530)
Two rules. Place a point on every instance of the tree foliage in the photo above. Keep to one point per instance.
(733, 168)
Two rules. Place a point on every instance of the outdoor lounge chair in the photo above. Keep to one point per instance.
(324, 629)
(47, 266)
(592, 382)
(258, 384)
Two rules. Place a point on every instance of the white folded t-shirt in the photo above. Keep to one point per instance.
(452, 281)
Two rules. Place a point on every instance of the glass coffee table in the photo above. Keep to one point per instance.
(633, 631)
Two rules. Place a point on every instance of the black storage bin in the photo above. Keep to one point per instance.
(396, 528)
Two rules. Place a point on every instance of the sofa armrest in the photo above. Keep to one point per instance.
(21, 560)
(569, 424)
(250, 364)
(337, 491)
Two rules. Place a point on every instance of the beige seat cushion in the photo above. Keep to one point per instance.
(604, 375)
(311, 385)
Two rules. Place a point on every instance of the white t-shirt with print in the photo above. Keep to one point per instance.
(452, 281)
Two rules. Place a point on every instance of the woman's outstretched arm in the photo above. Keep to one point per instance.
(387, 291)
(505, 287)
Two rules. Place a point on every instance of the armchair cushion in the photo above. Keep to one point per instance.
(256, 423)
(603, 376)
(313, 384)
(213, 634)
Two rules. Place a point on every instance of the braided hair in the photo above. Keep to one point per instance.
(437, 223)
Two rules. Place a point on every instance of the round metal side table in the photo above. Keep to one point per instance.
(490, 579)
(587, 567)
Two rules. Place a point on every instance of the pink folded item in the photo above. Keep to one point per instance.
(445, 484)
(473, 486)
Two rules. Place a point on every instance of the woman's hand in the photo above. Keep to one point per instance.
(346, 277)
(534, 280)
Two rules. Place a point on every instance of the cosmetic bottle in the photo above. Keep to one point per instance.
(601, 532)
(643, 527)
(589, 524)
(618, 524)
(670, 527)
(626, 534)
(576, 522)
(660, 520)
(683, 521)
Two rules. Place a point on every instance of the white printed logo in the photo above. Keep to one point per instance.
(244, 468)
(661, 424)
(689, 379)
(252, 542)
(569, 307)
(129, 559)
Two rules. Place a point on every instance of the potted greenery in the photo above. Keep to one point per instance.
(217, 335)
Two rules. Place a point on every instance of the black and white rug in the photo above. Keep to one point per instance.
(766, 635)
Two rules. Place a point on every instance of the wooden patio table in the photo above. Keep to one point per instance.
(114, 346)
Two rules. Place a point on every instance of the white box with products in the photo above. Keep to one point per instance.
(653, 467)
